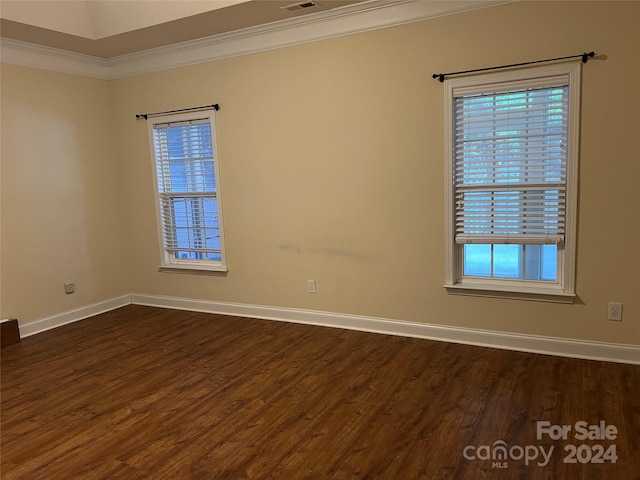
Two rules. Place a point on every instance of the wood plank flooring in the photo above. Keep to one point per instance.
(149, 393)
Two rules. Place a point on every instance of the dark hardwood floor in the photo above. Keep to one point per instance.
(149, 393)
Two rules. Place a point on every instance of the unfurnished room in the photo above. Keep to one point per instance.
(332, 239)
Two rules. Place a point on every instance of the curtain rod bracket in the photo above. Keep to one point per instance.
(585, 56)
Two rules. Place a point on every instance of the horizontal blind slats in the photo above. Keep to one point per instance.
(195, 250)
(481, 118)
(509, 167)
(506, 239)
(187, 188)
(506, 186)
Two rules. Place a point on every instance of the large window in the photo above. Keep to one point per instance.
(512, 141)
(187, 189)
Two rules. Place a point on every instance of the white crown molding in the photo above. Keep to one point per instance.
(47, 58)
(322, 26)
(348, 20)
(485, 338)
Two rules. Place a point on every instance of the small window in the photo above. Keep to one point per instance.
(511, 167)
(187, 191)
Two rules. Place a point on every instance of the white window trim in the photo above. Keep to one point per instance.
(167, 262)
(564, 290)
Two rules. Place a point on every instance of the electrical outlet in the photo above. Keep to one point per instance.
(311, 286)
(615, 311)
(69, 288)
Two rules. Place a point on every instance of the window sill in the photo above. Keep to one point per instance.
(193, 268)
(519, 292)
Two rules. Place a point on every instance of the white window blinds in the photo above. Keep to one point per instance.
(187, 190)
(510, 163)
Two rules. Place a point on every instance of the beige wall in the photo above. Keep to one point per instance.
(332, 169)
(62, 196)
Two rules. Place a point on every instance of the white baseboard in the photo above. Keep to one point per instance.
(610, 352)
(74, 315)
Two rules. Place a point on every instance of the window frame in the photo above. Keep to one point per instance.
(168, 262)
(563, 290)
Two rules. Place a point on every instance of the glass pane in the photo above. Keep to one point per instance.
(533, 262)
(549, 263)
(528, 262)
(477, 260)
(541, 262)
(507, 261)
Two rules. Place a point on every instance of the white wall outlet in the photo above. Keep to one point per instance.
(311, 286)
(615, 311)
(69, 288)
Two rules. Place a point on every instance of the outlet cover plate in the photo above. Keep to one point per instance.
(615, 311)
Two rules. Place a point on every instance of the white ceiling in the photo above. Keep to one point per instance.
(109, 28)
(95, 19)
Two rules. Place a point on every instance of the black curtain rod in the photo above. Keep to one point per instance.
(215, 106)
(583, 56)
